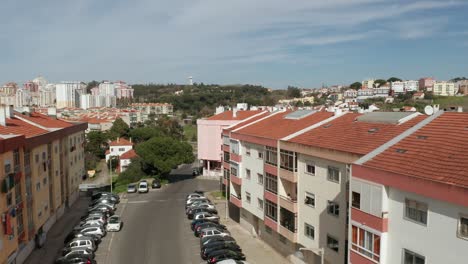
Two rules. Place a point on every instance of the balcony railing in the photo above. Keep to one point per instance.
(289, 203)
(291, 235)
(236, 180)
(288, 175)
(237, 201)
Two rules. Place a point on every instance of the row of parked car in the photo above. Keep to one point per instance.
(216, 243)
(81, 243)
(142, 186)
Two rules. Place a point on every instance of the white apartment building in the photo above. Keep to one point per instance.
(444, 88)
(47, 95)
(123, 90)
(23, 98)
(409, 206)
(107, 88)
(397, 87)
(411, 86)
(68, 94)
(368, 84)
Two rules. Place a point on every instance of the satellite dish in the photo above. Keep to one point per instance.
(428, 110)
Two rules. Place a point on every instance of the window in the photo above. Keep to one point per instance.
(271, 183)
(7, 167)
(112, 149)
(416, 211)
(310, 199)
(121, 149)
(36, 158)
(234, 147)
(333, 208)
(9, 199)
(332, 243)
(463, 227)
(288, 160)
(38, 186)
(226, 156)
(234, 171)
(55, 149)
(366, 243)
(333, 174)
(310, 169)
(260, 155)
(247, 197)
(226, 140)
(247, 174)
(260, 178)
(247, 151)
(260, 203)
(271, 210)
(43, 156)
(413, 258)
(309, 231)
(271, 155)
(44, 181)
(356, 200)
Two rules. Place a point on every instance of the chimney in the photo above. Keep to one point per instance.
(52, 112)
(436, 108)
(234, 112)
(9, 112)
(118, 139)
(2, 116)
(130, 139)
(460, 109)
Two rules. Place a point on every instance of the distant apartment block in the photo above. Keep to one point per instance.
(68, 94)
(404, 86)
(153, 108)
(426, 83)
(462, 87)
(42, 161)
(123, 90)
(444, 88)
(368, 84)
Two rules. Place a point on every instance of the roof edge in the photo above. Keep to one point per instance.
(307, 129)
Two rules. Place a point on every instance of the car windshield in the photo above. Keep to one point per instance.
(131, 186)
(114, 220)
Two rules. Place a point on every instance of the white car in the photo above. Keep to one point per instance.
(143, 187)
(205, 215)
(213, 232)
(231, 261)
(92, 230)
(114, 223)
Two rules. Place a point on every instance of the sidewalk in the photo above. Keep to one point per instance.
(54, 241)
(255, 249)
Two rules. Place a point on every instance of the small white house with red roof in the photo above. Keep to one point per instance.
(123, 149)
(125, 159)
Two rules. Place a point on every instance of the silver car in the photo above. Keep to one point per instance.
(205, 215)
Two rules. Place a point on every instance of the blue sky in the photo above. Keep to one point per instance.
(275, 43)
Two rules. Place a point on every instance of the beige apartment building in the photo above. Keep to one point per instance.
(43, 164)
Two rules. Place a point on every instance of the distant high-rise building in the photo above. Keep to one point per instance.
(426, 83)
(107, 88)
(368, 84)
(68, 94)
(123, 90)
(444, 89)
(190, 79)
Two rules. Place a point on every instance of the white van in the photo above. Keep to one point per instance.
(143, 187)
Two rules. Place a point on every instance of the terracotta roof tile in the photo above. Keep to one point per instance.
(277, 126)
(129, 154)
(121, 142)
(348, 135)
(44, 120)
(243, 123)
(437, 151)
(241, 115)
(16, 126)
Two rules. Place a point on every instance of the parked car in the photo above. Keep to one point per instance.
(104, 209)
(232, 261)
(143, 187)
(214, 243)
(78, 259)
(101, 219)
(114, 223)
(110, 206)
(205, 215)
(213, 231)
(193, 211)
(84, 250)
(205, 253)
(196, 221)
(82, 242)
(207, 240)
(131, 188)
(79, 252)
(201, 226)
(91, 230)
(200, 204)
(156, 184)
(77, 234)
(194, 195)
(225, 254)
(105, 194)
(80, 226)
(109, 201)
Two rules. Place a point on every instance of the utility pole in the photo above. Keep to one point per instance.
(110, 172)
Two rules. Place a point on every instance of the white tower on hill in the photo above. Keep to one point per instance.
(190, 79)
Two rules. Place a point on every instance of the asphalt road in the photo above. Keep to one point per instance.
(155, 229)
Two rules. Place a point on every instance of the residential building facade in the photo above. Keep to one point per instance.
(426, 83)
(444, 89)
(68, 94)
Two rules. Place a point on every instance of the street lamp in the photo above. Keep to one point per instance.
(318, 251)
(110, 172)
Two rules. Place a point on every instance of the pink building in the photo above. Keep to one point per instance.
(426, 83)
(123, 90)
(31, 86)
(209, 137)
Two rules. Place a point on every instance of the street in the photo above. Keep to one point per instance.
(156, 229)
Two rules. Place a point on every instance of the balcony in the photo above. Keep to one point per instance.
(235, 200)
(288, 175)
(271, 169)
(226, 165)
(270, 223)
(289, 203)
(290, 235)
(372, 221)
(226, 148)
(236, 157)
(272, 197)
(236, 180)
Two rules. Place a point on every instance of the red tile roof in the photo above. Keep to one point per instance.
(348, 135)
(243, 123)
(129, 154)
(44, 120)
(437, 151)
(241, 115)
(16, 126)
(277, 126)
(121, 142)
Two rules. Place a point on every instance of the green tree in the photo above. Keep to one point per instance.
(96, 143)
(119, 129)
(394, 79)
(113, 162)
(90, 85)
(379, 82)
(142, 134)
(355, 85)
(170, 127)
(161, 154)
(133, 173)
(91, 161)
(293, 92)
